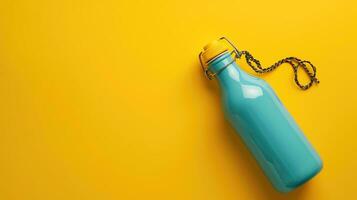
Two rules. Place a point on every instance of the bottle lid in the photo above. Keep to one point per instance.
(213, 49)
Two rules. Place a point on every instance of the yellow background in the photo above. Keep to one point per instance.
(106, 100)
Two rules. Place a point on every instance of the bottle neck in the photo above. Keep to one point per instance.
(227, 70)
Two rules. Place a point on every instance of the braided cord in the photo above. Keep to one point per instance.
(294, 62)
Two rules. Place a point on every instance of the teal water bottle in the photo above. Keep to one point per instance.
(259, 117)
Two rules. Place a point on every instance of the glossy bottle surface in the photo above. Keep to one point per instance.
(266, 127)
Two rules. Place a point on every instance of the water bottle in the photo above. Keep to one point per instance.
(259, 117)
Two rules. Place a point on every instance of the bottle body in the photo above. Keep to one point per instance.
(265, 126)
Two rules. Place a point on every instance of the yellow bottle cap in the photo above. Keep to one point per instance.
(213, 49)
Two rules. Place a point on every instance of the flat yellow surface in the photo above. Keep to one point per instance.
(105, 99)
